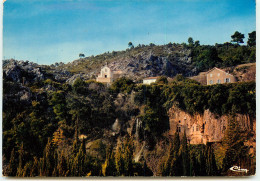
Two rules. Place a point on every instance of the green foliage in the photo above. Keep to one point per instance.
(162, 80)
(109, 167)
(79, 87)
(237, 37)
(251, 39)
(233, 142)
(122, 85)
(191, 42)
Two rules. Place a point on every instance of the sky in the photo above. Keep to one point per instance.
(49, 31)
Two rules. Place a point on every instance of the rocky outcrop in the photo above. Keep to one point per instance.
(145, 65)
(14, 73)
(72, 79)
(206, 127)
(22, 71)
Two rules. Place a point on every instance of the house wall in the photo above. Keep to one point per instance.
(149, 81)
(219, 75)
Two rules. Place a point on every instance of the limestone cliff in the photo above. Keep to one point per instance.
(206, 127)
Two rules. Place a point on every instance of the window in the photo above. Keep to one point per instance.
(178, 129)
(211, 82)
(218, 74)
(197, 128)
(219, 81)
(227, 80)
(105, 76)
(179, 121)
(210, 75)
(105, 70)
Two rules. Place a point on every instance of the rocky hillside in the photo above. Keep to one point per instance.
(139, 62)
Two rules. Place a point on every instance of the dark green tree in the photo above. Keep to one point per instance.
(211, 166)
(109, 167)
(12, 166)
(184, 152)
(197, 43)
(251, 39)
(130, 45)
(21, 161)
(237, 37)
(191, 42)
(234, 143)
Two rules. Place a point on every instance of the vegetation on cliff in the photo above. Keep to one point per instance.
(85, 128)
(42, 138)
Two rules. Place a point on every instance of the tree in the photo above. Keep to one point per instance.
(190, 41)
(130, 45)
(234, 143)
(109, 167)
(173, 165)
(251, 39)
(12, 165)
(162, 80)
(211, 166)
(184, 152)
(81, 55)
(197, 43)
(237, 37)
(21, 161)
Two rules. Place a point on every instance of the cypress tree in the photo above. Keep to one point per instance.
(21, 161)
(35, 168)
(184, 152)
(234, 143)
(62, 165)
(119, 161)
(12, 166)
(109, 167)
(211, 166)
(128, 157)
(49, 161)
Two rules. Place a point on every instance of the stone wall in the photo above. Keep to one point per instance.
(203, 128)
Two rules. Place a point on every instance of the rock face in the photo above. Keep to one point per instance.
(72, 79)
(148, 65)
(204, 128)
(22, 71)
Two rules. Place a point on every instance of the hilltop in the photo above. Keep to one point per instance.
(151, 60)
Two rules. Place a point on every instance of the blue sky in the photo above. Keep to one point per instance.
(48, 31)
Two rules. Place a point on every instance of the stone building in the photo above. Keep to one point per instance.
(107, 75)
(149, 80)
(206, 127)
(219, 76)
